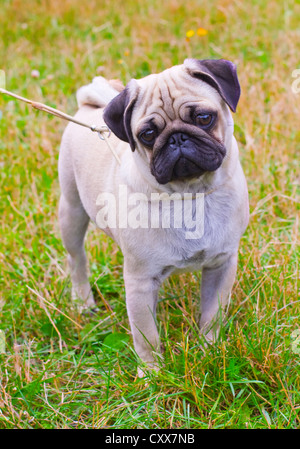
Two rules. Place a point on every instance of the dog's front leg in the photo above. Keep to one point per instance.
(73, 222)
(215, 292)
(141, 301)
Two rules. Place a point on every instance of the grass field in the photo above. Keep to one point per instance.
(60, 369)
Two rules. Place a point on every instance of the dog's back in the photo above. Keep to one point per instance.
(99, 93)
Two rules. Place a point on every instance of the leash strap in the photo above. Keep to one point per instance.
(101, 130)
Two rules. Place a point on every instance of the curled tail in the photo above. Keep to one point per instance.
(99, 93)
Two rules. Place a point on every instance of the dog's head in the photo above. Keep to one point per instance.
(178, 119)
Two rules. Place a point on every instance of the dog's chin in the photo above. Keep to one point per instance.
(186, 169)
(183, 169)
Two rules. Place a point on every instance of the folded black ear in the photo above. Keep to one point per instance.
(117, 115)
(220, 74)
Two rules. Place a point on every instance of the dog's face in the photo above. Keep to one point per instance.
(178, 119)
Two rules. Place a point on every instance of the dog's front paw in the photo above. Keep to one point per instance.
(209, 333)
(83, 296)
(147, 369)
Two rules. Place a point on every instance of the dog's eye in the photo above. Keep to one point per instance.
(203, 120)
(147, 137)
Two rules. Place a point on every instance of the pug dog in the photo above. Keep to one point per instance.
(173, 134)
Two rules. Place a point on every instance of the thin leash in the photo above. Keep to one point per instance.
(101, 130)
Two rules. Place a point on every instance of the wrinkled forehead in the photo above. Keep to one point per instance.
(163, 97)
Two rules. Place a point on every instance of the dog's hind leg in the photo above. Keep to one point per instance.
(73, 222)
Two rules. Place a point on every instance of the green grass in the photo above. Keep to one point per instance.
(66, 370)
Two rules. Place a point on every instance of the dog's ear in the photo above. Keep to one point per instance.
(117, 114)
(220, 74)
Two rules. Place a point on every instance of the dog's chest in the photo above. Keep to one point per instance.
(220, 237)
(188, 243)
(170, 251)
(192, 254)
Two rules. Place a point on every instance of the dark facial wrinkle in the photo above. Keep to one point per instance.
(154, 121)
(169, 98)
(147, 125)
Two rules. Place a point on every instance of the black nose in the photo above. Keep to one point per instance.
(177, 139)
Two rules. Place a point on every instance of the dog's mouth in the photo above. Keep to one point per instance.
(185, 156)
